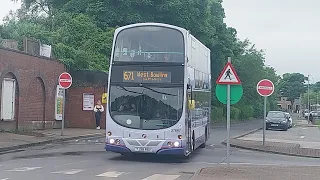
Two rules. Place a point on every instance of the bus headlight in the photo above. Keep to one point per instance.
(176, 144)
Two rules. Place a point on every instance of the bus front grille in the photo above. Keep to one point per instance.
(143, 142)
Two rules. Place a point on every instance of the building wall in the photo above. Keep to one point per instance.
(36, 79)
(284, 104)
(75, 115)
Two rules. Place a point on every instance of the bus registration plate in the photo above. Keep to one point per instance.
(142, 149)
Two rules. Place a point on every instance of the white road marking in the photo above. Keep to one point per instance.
(113, 174)
(23, 169)
(161, 177)
(302, 137)
(212, 145)
(68, 172)
(5, 179)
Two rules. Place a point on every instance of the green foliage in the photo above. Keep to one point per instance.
(314, 97)
(292, 85)
(81, 33)
(217, 114)
(235, 113)
(246, 112)
(315, 87)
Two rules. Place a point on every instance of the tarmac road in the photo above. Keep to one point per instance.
(84, 159)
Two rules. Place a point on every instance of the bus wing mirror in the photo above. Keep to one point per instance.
(191, 104)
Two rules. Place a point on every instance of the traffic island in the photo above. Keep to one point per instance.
(299, 141)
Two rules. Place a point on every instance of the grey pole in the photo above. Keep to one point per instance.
(264, 120)
(63, 109)
(308, 100)
(228, 121)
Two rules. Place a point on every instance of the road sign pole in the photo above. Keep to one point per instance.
(264, 119)
(228, 77)
(64, 108)
(65, 81)
(265, 88)
(228, 121)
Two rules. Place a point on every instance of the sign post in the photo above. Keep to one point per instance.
(265, 88)
(65, 81)
(227, 78)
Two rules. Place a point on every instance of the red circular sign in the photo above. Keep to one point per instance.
(65, 80)
(265, 87)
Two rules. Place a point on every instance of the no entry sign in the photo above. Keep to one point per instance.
(65, 80)
(265, 87)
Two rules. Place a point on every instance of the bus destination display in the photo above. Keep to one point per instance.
(147, 76)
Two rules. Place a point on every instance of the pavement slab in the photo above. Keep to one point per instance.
(297, 141)
(13, 141)
(243, 172)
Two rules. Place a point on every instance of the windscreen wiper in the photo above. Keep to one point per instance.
(158, 91)
(129, 90)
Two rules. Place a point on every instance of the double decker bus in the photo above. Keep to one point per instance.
(159, 91)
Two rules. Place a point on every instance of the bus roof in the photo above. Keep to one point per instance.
(150, 24)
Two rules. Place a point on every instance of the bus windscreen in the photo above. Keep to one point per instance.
(147, 108)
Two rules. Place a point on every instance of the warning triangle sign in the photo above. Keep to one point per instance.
(228, 75)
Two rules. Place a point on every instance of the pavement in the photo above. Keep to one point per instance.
(245, 172)
(14, 141)
(301, 140)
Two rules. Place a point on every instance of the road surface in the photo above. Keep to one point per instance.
(84, 159)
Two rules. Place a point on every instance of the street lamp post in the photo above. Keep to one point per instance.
(308, 100)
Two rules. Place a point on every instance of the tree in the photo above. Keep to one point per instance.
(315, 87)
(292, 86)
(81, 33)
(314, 98)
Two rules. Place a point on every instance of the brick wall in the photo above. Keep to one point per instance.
(75, 116)
(36, 85)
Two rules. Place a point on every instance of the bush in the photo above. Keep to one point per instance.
(246, 112)
(217, 113)
(235, 113)
(258, 111)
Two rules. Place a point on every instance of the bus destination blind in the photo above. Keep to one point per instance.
(147, 76)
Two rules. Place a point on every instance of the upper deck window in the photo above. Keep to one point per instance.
(149, 44)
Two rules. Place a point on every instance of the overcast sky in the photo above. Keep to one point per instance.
(6, 6)
(288, 30)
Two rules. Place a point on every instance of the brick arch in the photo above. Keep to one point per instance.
(11, 75)
(36, 99)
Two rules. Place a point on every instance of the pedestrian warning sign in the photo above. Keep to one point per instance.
(228, 75)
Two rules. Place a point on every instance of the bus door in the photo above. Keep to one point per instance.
(190, 107)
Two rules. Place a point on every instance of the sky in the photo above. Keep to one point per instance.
(288, 31)
(6, 6)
